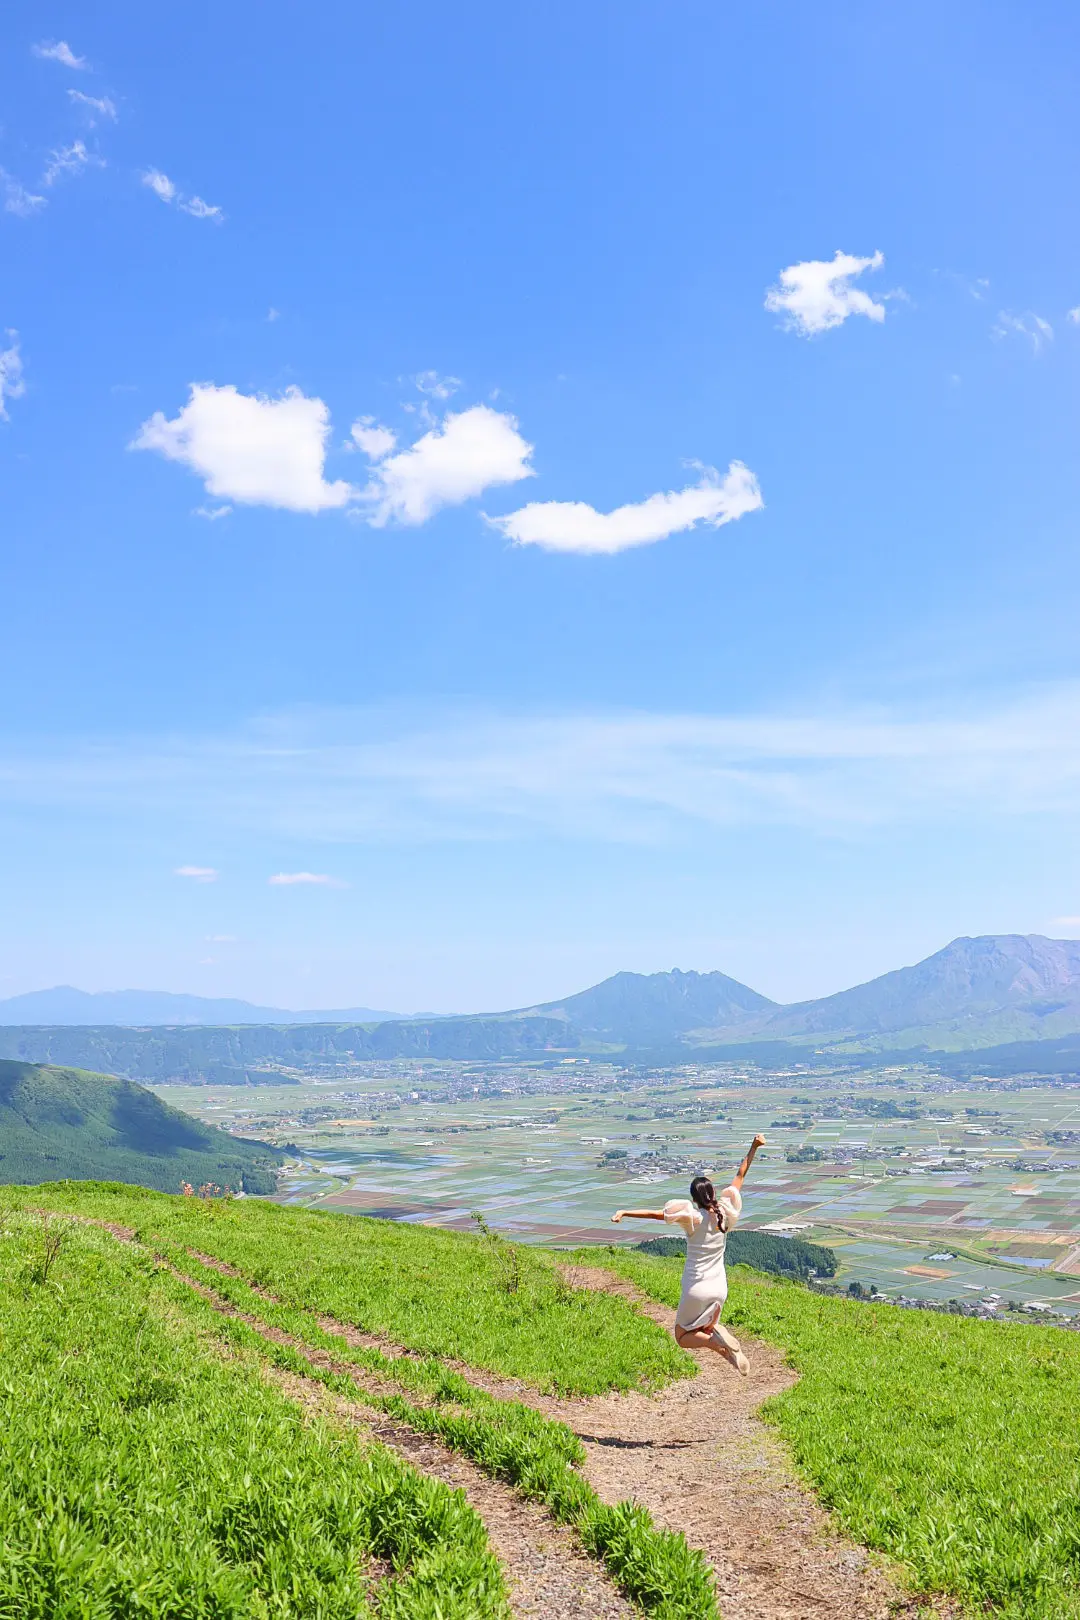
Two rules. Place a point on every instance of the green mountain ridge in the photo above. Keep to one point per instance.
(69, 1125)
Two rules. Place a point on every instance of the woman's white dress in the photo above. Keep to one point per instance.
(704, 1279)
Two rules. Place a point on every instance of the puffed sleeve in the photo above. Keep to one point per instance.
(680, 1212)
(730, 1201)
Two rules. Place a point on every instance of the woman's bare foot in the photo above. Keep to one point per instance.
(737, 1359)
(725, 1335)
(730, 1348)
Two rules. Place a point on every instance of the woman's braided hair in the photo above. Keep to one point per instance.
(704, 1196)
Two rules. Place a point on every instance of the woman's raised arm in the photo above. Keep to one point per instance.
(740, 1174)
(638, 1215)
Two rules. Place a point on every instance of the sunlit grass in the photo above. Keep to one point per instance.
(445, 1293)
(144, 1474)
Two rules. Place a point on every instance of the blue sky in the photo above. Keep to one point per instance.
(337, 336)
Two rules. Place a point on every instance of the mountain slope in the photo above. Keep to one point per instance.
(985, 990)
(648, 1009)
(66, 1005)
(65, 1124)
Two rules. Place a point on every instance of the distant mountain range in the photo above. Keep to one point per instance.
(66, 1005)
(1014, 994)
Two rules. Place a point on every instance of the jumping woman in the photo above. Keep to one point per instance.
(706, 1222)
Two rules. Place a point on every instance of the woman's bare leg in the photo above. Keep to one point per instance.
(711, 1336)
(699, 1338)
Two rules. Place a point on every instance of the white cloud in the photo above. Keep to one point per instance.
(429, 382)
(221, 939)
(574, 526)
(70, 160)
(211, 513)
(59, 51)
(372, 438)
(1074, 315)
(1031, 326)
(273, 314)
(1065, 922)
(159, 184)
(817, 295)
(468, 452)
(17, 200)
(286, 879)
(94, 107)
(163, 187)
(201, 210)
(12, 385)
(200, 874)
(251, 449)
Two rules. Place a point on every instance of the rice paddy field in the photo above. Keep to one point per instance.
(150, 1451)
(973, 1193)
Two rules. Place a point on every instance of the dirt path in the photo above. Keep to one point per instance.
(707, 1465)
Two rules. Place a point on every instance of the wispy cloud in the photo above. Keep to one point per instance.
(1073, 315)
(1038, 331)
(285, 880)
(201, 210)
(350, 777)
(817, 294)
(574, 526)
(436, 387)
(12, 382)
(159, 184)
(168, 192)
(67, 161)
(17, 200)
(199, 874)
(211, 514)
(94, 107)
(58, 50)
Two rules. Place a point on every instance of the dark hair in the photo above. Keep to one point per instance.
(704, 1196)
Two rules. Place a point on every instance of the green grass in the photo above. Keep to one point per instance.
(949, 1443)
(493, 1305)
(505, 1438)
(145, 1477)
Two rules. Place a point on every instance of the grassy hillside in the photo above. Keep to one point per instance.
(492, 1304)
(138, 1474)
(144, 1471)
(948, 1443)
(65, 1124)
